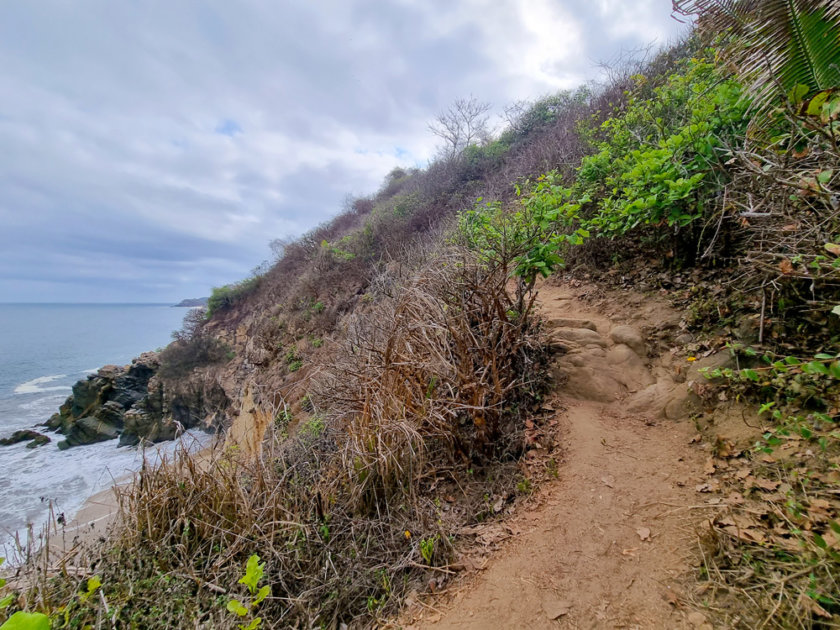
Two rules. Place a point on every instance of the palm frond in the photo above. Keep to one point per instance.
(775, 45)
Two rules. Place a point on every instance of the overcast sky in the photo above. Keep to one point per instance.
(149, 150)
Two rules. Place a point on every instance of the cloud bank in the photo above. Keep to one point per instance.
(152, 149)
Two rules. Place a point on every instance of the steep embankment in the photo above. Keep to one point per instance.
(611, 541)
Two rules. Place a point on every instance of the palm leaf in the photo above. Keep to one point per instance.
(775, 45)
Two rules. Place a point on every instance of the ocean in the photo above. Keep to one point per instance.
(44, 349)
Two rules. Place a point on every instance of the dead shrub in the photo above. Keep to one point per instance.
(440, 374)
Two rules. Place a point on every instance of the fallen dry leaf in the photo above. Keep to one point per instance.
(765, 484)
(748, 535)
(786, 267)
(735, 498)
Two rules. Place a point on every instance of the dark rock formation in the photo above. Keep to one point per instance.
(26, 435)
(96, 409)
(133, 404)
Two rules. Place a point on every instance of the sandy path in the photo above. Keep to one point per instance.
(612, 537)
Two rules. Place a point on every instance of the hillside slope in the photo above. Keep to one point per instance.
(389, 390)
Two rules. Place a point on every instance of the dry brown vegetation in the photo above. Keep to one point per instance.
(426, 399)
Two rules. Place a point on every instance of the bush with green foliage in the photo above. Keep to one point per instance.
(182, 356)
(524, 241)
(661, 160)
(228, 295)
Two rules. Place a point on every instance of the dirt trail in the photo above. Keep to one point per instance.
(609, 541)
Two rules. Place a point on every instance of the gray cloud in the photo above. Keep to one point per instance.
(151, 149)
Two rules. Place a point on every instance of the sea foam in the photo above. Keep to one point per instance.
(36, 385)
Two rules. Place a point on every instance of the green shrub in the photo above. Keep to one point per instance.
(526, 240)
(184, 355)
(228, 295)
(658, 162)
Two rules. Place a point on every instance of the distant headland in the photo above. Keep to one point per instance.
(192, 302)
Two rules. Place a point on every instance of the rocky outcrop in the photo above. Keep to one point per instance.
(133, 404)
(26, 435)
(96, 409)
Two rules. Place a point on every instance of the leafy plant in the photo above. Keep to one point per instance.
(661, 158)
(526, 240)
(9, 598)
(314, 427)
(226, 296)
(93, 585)
(427, 548)
(254, 572)
(293, 360)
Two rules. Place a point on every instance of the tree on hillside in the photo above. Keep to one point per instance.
(462, 124)
(775, 45)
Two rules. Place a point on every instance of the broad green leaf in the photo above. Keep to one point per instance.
(823, 355)
(765, 407)
(831, 110)
(817, 367)
(815, 105)
(820, 541)
(7, 601)
(237, 608)
(750, 374)
(264, 592)
(94, 583)
(253, 573)
(798, 92)
(836, 310)
(27, 621)
(823, 177)
(835, 527)
(255, 623)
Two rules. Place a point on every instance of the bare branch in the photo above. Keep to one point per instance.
(463, 124)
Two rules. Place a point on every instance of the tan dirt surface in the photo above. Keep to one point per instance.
(608, 543)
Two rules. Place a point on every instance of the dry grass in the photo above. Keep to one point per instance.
(426, 401)
(432, 379)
